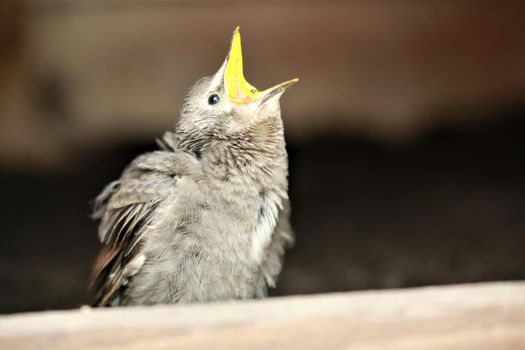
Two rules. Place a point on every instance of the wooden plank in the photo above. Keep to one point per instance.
(478, 316)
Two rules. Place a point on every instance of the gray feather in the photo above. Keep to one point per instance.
(204, 218)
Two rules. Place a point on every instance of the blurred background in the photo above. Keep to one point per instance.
(406, 133)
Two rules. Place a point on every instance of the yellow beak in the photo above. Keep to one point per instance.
(236, 86)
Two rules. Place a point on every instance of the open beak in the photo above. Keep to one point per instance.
(236, 86)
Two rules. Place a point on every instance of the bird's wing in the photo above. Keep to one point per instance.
(126, 208)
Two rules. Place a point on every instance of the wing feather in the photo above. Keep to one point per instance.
(126, 208)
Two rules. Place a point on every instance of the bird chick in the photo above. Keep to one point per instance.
(206, 217)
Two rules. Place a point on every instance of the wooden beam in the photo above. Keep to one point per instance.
(478, 316)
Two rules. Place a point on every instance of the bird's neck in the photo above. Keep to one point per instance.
(259, 157)
(257, 153)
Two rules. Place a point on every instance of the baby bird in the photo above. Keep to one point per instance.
(206, 217)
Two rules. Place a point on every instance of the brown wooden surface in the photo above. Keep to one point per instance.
(478, 316)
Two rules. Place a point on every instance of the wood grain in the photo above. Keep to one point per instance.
(477, 316)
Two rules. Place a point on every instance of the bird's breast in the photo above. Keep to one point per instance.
(209, 243)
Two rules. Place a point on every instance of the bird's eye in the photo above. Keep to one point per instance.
(213, 99)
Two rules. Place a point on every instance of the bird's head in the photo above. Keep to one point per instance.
(226, 107)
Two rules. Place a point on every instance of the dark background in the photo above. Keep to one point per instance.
(405, 134)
